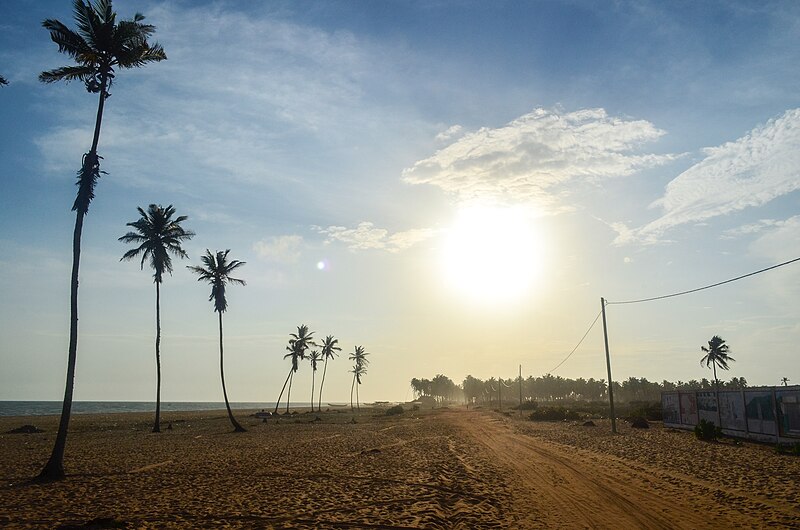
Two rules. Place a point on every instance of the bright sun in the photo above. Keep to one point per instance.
(492, 254)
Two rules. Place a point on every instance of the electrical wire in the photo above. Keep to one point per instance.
(577, 345)
(704, 287)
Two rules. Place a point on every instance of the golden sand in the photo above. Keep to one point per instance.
(449, 468)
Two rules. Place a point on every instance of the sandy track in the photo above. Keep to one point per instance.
(558, 486)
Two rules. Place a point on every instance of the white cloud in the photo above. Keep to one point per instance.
(748, 172)
(281, 249)
(532, 156)
(751, 228)
(450, 133)
(368, 237)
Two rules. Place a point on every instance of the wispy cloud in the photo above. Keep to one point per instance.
(281, 249)
(748, 172)
(450, 133)
(531, 157)
(366, 236)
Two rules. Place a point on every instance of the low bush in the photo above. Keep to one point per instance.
(527, 405)
(553, 414)
(788, 449)
(707, 431)
(393, 411)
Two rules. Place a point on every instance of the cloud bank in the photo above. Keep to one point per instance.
(366, 236)
(748, 172)
(532, 157)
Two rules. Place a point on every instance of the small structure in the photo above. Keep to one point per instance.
(767, 414)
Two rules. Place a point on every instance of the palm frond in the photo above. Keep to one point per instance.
(88, 176)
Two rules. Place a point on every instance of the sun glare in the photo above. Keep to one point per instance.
(492, 253)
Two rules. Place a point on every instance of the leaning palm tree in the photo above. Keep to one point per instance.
(329, 349)
(716, 355)
(99, 46)
(3, 80)
(158, 236)
(360, 362)
(314, 357)
(217, 272)
(298, 344)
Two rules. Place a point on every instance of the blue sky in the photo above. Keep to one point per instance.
(651, 147)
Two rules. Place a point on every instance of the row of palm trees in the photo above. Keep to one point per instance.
(99, 46)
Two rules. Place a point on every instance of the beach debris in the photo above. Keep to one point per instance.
(639, 423)
(25, 429)
(588, 423)
(372, 451)
(169, 426)
(100, 523)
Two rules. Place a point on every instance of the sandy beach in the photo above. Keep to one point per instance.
(448, 468)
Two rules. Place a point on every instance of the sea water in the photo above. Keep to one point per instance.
(44, 408)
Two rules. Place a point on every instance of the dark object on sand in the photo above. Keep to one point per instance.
(169, 426)
(25, 429)
(589, 423)
(372, 451)
(639, 423)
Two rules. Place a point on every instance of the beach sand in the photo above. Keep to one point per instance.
(448, 468)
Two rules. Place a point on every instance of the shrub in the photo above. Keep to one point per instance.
(553, 414)
(393, 411)
(790, 449)
(527, 405)
(707, 431)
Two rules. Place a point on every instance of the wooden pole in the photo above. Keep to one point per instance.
(608, 367)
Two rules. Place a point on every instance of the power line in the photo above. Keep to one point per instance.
(704, 287)
(577, 345)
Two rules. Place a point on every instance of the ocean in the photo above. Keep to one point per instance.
(44, 408)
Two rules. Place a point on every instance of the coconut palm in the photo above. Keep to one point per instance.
(329, 349)
(158, 236)
(315, 357)
(99, 46)
(298, 344)
(3, 80)
(360, 362)
(716, 355)
(785, 381)
(217, 272)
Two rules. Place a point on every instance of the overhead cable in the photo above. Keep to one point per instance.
(577, 345)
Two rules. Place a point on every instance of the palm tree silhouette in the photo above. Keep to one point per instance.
(314, 357)
(360, 362)
(785, 381)
(329, 349)
(716, 355)
(99, 46)
(217, 272)
(158, 236)
(3, 80)
(298, 344)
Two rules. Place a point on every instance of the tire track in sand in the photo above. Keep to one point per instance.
(554, 487)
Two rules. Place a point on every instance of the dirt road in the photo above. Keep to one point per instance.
(557, 486)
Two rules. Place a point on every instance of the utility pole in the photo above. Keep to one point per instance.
(608, 367)
(520, 391)
(500, 392)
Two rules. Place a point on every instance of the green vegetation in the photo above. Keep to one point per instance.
(707, 431)
(716, 355)
(394, 411)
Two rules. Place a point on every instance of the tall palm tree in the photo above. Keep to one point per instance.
(716, 355)
(360, 362)
(158, 236)
(3, 80)
(99, 46)
(785, 381)
(298, 344)
(314, 357)
(329, 349)
(217, 272)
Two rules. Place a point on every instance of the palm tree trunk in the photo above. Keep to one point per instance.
(313, 373)
(278, 403)
(289, 393)
(236, 426)
(321, 384)
(351, 393)
(358, 405)
(157, 424)
(54, 468)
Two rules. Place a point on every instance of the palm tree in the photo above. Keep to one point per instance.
(329, 349)
(158, 236)
(298, 344)
(217, 272)
(3, 81)
(360, 362)
(785, 381)
(99, 46)
(314, 357)
(716, 355)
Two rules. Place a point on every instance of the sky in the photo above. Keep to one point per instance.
(452, 185)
